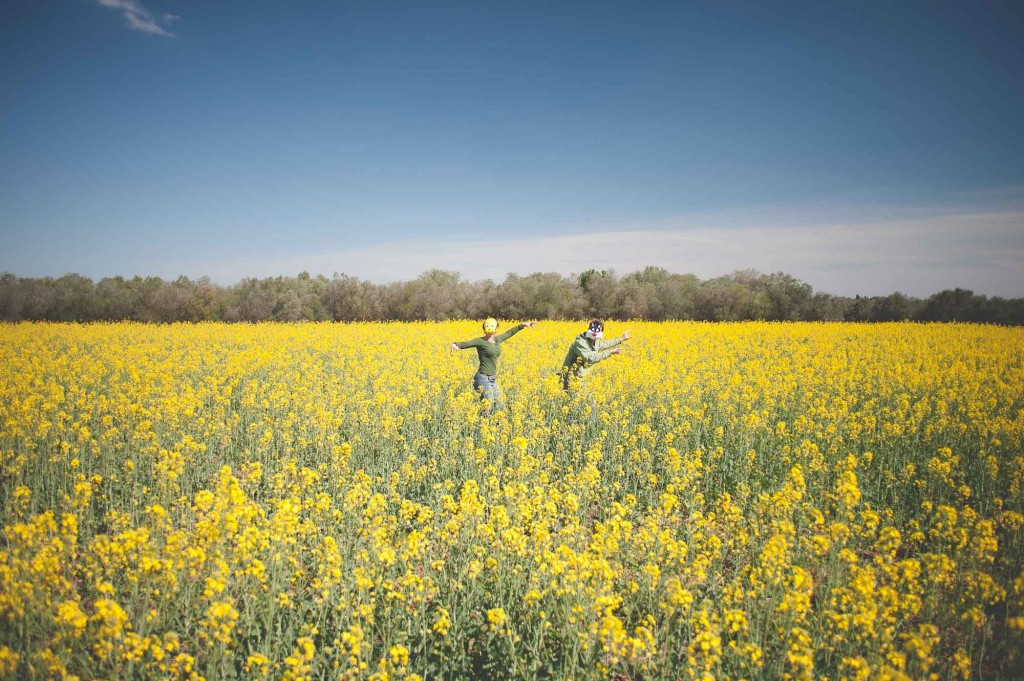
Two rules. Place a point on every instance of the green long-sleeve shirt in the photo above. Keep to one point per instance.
(585, 353)
(489, 351)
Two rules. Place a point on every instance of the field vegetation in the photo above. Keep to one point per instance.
(320, 500)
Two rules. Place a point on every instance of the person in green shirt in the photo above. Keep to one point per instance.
(588, 349)
(488, 348)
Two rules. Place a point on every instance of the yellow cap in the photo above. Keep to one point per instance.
(490, 325)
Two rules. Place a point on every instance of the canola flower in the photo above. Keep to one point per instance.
(306, 501)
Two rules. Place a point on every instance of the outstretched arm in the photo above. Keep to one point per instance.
(514, 330)
(611, 343)
(462, 345)
(592, 356)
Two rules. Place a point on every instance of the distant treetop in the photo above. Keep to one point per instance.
(653, 294)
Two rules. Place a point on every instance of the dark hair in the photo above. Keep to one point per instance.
(596, 325)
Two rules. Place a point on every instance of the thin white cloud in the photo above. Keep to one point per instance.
(919, 255)
(139, 18)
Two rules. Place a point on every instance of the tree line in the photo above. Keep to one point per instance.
(653, 294)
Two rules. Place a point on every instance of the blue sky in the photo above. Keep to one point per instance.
(237, 139)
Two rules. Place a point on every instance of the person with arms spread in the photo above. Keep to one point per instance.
(588, 349)
(488, 348)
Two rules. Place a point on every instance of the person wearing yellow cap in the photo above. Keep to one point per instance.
(488, 348)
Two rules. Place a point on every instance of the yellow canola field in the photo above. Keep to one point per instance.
(332, 501)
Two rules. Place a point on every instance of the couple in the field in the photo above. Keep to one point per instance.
(587, 349)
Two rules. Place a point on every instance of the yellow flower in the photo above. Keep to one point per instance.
(399, 655)
(220, 621)
(8, 661)
(496, 618)
(70, 614)
(257, 664)
(442, 623)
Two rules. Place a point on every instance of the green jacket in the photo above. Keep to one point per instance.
(585, 353)
(490, 352)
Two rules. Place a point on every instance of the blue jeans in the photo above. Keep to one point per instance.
(487, 386)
